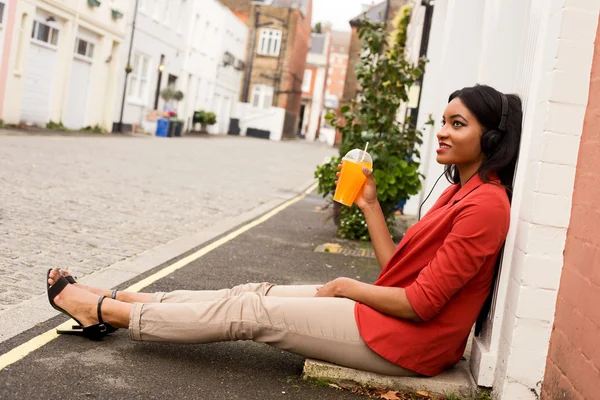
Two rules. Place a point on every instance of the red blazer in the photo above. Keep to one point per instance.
(446, 264)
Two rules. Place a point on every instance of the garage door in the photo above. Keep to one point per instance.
(79, 85)
(38, 85)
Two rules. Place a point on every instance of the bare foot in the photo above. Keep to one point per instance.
(80, 303)
(57, 273)
(121, 296)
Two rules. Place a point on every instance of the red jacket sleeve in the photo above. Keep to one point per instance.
(477, 234)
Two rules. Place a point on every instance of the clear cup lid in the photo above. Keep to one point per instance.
(358, 155)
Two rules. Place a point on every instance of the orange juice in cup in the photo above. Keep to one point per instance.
(351, 178)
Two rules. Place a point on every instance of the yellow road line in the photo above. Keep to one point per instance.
(28, 347)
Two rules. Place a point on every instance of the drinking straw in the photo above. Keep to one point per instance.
(365, 152)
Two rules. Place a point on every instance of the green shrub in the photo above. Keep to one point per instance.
(385, 78)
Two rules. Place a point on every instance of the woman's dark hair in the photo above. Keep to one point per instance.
(485, 103)
(501, 152)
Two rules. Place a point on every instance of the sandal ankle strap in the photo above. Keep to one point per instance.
(99, 309)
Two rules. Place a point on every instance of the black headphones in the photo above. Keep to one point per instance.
(491, 139)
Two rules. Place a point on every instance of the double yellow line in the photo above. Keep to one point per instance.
(30, 346)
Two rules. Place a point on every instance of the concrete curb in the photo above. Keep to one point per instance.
(28, 314)
(458, 380)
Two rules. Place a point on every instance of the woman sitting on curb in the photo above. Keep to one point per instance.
(417, 316)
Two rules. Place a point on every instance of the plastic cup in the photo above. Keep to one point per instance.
(352, 179)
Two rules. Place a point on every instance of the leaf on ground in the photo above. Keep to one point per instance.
(423, 393)
(390, 395)
(333, 385)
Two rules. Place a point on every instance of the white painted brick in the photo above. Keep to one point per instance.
(551, 210)
(570, 88)
(560, 149)
(531, 335)
(526, 367)
(542, 272)
(514, 391)
(574, 56)
(532, 177)
(545, 240)
(556, 179)
(536, 304)
(578, 24)
(517, 265)
(584, 5)
(527, 200)
(508, 322)
(535, 120)
(565, 118)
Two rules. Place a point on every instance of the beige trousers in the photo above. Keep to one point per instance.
(286, 317)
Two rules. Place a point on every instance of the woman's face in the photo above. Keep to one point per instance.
(459, 138)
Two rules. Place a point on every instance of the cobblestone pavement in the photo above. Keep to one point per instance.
(84, 203)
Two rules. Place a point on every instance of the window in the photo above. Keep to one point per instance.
(84, 48)
(1, 13)
(269, 43)
(138, 80)
(307, 80)
(44, 33)
(262, 96)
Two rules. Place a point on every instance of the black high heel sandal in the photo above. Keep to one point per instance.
(109, 327)
(93, 332)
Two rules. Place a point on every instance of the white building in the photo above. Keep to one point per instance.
(157, 58)
(214, 67)
(543, 51)
(62, 62)
(192, 46)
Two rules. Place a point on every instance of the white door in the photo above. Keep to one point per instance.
(79, 90)
(38, 84)
(225, 115)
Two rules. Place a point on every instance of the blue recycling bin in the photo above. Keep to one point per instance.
(162, 127)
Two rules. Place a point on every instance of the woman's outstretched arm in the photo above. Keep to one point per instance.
(388, 300)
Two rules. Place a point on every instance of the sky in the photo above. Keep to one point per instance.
(338, 12)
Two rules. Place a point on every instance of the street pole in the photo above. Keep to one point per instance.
(251, 58)
(128, 67)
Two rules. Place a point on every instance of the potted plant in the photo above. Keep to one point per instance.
(205, 118)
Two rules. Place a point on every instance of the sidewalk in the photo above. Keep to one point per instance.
(281, 250)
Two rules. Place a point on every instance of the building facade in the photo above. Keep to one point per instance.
(338, 67)
(544, 55)
(379, 13)
(313, 85)
(281, 45)
(60, 61)
(158, 52)
(215, 63)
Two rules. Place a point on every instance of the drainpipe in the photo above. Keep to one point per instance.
(422, 53)
(251, 57)
(128, 66)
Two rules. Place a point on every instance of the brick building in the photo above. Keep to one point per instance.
(314, 85)
(279, 54)
(376, 13)
(338, 66)
(573, 365)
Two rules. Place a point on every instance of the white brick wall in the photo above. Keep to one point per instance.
(565, 51)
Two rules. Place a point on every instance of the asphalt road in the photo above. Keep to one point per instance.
(280, 250)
